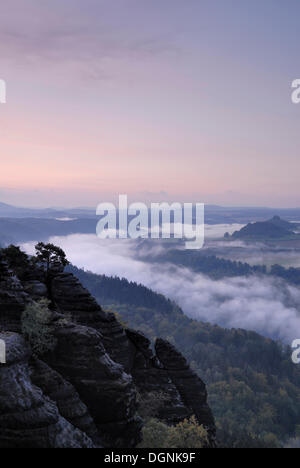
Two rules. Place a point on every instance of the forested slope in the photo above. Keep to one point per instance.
(253, 386)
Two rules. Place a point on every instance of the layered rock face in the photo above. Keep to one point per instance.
(150, 376)
(190, 387)
(84, 392)
(27, 417)
(72, 299)
(12, 300)
(169, 373)
(69, 405)
(101, 383)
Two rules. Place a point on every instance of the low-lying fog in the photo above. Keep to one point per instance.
(268, 306)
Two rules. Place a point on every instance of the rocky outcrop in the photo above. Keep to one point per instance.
(65, 396)
(84, 392)
(12, 300)
(36, 289)
(101, 383)
(73, 300)
(190, 387)
(133, 351)
(150, 376)
(28, 418)
(167, 372)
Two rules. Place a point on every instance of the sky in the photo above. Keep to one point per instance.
(179, 100)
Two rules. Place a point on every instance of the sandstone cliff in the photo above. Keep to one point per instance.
(84, 392)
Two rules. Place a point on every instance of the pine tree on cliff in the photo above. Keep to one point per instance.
(49, 255)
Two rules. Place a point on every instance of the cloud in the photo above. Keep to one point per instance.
(266, 305)
(254, 253)
(85, 35)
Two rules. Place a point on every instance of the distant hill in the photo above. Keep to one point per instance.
(277, 221)
(244, 215)
(9, 211)
(274, 228)
(209, 265)
(16, 230)
(213, 214)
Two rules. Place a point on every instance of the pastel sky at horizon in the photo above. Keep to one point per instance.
(183, 100)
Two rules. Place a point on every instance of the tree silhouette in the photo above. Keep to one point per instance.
(15, 257)
(50, 255)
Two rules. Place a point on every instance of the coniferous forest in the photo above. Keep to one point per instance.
(253, 386)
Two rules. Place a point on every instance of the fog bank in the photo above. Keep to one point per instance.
(266, 305)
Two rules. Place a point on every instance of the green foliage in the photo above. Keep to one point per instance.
(3, 268)
(186, 434)
(49, 255)
(150, 404)
(217, 268)
(154, 434)
(243, 439)
(291, 275)
(210, 265)
(38, 328)
(122, 290)
(17, 260)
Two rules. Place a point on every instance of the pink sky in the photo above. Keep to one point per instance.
(144, 99)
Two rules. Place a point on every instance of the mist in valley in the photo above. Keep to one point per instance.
(264, 304)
